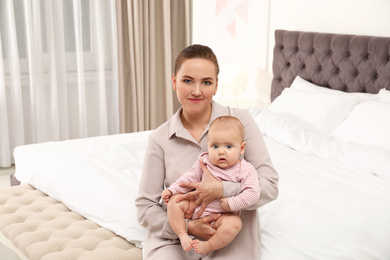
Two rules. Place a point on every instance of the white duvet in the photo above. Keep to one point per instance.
(325, 210)
(97, 177)
(334, 200)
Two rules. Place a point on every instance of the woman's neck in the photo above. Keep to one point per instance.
(195, 124)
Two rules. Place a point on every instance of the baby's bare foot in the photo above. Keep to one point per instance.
(186, 241)
(201, 247)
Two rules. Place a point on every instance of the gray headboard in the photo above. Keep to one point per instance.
(349, 63)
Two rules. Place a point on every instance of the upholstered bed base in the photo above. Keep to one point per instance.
(43, 228)
(338, 61)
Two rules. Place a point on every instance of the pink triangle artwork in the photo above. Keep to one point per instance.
(220, 6)
(231, 28)
(239, 11)
(242, 10)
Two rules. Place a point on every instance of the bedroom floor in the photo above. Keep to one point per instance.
(5, 174)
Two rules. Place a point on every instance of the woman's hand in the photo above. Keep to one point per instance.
(201, 227)
(206, 191)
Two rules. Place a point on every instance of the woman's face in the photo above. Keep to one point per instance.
(195, 84)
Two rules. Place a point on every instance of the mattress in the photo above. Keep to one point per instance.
(43, 228)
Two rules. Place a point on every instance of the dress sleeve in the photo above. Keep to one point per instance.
(150, 212)
(257, 154)
(230, 189)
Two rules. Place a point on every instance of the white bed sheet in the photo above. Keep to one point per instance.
(325, 210)
(334, 200)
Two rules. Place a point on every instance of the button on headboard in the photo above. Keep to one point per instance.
(349, 63)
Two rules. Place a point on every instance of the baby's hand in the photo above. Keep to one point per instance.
(166, 195)
(225, 204)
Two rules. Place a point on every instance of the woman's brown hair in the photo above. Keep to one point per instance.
(196, 51)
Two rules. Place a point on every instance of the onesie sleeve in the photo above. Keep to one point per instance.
(250, 189)
(193, 175)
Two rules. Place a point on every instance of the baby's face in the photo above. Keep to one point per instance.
(224, 147)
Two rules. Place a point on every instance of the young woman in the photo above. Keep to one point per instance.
(176, 144)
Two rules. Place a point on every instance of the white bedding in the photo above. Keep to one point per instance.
(334, 200)
(325, 210)
(96, 177)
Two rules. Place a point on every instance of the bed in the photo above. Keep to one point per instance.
(327, 131)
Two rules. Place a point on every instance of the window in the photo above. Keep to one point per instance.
(46, 10)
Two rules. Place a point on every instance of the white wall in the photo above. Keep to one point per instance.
(237, 31)
(369, 17)
(249, 49)
(228, 27)
(363, 17)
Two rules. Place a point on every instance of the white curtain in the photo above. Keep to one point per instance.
(58, 71)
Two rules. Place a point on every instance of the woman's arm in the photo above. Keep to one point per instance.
(151, 214)
(257, 154)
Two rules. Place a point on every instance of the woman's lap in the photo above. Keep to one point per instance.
(158, 249)
(245, 246)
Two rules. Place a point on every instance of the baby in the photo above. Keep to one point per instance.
(225, 145)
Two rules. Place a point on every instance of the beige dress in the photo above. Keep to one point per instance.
(171, 151)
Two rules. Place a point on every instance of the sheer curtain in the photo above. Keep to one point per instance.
(58, 71)
(150, 34)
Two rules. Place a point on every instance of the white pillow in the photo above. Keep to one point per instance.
(367, 124)
(302, 84)
(384, 95)
(316, 111)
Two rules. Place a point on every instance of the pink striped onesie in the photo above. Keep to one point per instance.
(242, 172)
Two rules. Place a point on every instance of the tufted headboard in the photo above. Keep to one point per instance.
(349, 63)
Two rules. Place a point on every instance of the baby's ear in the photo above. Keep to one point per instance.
(243, 148)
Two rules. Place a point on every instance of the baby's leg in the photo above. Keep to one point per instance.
(176, 217)
(227, 226)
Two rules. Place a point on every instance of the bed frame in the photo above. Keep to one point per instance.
(344, 62)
